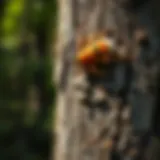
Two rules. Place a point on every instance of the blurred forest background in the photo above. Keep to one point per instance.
(27, 93)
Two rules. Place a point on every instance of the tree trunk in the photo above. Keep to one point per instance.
(115, 121)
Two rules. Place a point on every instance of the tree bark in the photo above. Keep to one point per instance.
(115, 121)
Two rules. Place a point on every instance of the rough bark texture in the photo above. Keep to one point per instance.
(114, 120)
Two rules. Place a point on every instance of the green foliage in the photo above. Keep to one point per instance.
(11, 22)
(26, 66)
